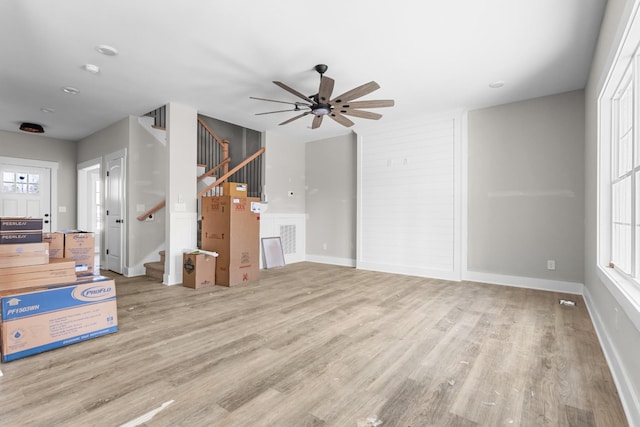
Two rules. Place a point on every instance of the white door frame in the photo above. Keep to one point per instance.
(123, 241)
(85, 201)
(53, 167)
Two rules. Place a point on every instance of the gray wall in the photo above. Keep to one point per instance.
(105, 141)
(145, 185)
(525, 188)
(621, 334)
(284, 172)
(331, 197)
(146, 177)
(38, 147)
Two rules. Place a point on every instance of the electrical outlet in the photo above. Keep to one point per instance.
(551, 264)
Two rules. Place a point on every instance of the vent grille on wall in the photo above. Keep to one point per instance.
(288, 238)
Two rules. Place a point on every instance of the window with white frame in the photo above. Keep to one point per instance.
(618, 157)
(624, 167)
(20, 183)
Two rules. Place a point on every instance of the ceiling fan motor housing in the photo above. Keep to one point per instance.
(321, 68)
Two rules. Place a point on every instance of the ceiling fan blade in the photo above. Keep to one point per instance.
(279, 111)
(362, 114)
(357, 92)
(317, 121)
(341, 119)
(366, 104)
(281, 102)
(292, 91)
(295, 118)
(326, 87)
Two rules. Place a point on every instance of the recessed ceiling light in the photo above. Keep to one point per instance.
(496, 85)
(70, 90)
(47, 110)
(91, 68)
(107, 50)
(31, 128)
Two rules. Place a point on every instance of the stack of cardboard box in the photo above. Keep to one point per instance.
(76, 245)
(231, 227)
(45, 304)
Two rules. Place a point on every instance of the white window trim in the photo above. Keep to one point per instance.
(625, 290)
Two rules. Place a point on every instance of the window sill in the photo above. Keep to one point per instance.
(625, 292)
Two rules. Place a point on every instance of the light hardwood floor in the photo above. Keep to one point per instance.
(319, 345)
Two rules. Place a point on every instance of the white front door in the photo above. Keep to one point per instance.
(26, 191)
(114, 212)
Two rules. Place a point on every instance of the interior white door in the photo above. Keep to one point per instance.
(26, 191)
(114, 213)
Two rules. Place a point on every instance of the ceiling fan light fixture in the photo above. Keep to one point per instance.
(321, 111)
(31, 128)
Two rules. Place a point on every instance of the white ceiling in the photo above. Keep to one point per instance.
(429, 56)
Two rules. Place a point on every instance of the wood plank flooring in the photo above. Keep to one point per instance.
(318, 345)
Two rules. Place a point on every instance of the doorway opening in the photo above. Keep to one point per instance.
(90, 202)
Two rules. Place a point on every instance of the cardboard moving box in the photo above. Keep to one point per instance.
(58, 271)
(236, 189)
(20, 223)
(43, 319)
(24, 254)
(231, 227)
(199, 270)
(73, 244)
(29, 236)
(56, 244)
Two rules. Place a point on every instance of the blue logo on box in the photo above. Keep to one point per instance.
(93, 293)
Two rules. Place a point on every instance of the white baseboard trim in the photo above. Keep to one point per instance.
(409, 270)
(524, 282)
(138, 270)
(629, 399)
(344, 262)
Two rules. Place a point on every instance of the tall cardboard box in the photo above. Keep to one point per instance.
(231, 227)
(198, 270)
(43, 319)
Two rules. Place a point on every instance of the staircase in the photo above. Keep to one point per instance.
(155, 270)
(213, 154)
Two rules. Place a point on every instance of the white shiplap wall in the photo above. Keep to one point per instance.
(409, 198)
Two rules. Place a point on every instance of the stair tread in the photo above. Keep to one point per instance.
(155, 265)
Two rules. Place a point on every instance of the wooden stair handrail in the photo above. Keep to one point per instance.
(224, 177)
(151, 211)
(216, 137)
(220, 180)
(211, 171)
